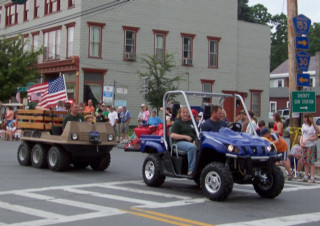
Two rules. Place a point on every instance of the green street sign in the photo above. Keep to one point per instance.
(303, 101)
(22, 89)
(29, 84)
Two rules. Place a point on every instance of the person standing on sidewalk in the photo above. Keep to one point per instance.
(113, 119)
(125, 119)
(308, 140)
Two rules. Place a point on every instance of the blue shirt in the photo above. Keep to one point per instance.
(154, 121)
(125, 116)
(210, 125)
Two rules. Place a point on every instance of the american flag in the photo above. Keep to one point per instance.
(51, 92)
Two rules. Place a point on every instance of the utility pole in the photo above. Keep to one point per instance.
(292, 11)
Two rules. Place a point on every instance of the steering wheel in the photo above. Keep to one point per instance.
(235, 126)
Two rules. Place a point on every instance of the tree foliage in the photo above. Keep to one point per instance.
(279, 41)
(17, 67)
(260, 14)
(244, 11)
(159, 81)
(314, 38)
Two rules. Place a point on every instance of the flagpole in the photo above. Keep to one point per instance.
(64, 81)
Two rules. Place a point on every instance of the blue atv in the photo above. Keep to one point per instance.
(223, 157)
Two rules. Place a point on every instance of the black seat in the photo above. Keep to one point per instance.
(174, 148)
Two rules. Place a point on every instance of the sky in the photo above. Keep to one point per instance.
(309, 8)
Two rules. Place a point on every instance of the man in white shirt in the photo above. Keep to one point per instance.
(113, 118)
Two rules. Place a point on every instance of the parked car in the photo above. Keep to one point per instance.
(285, 115)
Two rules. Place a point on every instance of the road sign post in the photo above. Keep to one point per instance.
(301, 24)
(303, 101)
(303, 59)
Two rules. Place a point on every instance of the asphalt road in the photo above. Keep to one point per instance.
(118, 196)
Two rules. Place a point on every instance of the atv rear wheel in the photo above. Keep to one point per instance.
(151, 171)
(24, 154)
(216, 181)
(39, 156)
(101, 163)
(58, 159)
(273, 186)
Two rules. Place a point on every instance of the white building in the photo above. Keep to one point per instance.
(96, 43)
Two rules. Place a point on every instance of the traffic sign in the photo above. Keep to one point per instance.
(303, 79)
(29, 84)
(22, 89)
(302, 43)
(303, 101)
(303, 59)
(301, 24)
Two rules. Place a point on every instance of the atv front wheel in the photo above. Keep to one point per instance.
(216, 181)
(273, 185)
(151, 171)
(101, 163)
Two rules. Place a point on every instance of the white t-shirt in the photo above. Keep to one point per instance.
(112, 116)
(308, 132)
(249, 129)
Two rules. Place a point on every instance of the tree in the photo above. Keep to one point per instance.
(17, 67)
(157, 79)
(279, 41)
(260, 14)
(244, 11)
(314, 38)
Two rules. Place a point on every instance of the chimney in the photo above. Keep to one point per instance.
(317, 69)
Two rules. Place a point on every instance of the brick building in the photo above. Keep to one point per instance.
(98, 43)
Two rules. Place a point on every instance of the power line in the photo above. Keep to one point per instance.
(95, 9)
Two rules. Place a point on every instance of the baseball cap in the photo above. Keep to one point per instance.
(242, 112)
(194, 112)
(99, 110)
(264, 131)
(124, 106)
(200, 114)
(143, 105)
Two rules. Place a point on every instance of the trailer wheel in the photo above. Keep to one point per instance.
(58, 159)
(24, 154)
(39, 156)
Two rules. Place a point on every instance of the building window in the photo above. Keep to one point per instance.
(36, 8)
(51, 44)
(273, 106)
(95, 39)
(280, 84)
(130, 43)
(187, 49)
(71, 3)
(256, 102)
(26, 10)
(160, 44)
(207, 87)
(11, 15)
(93, 85)
(311, 82)
(288, 104)
(25, 43)
(35, 41)
(51, 6)
(213, 51)
(70, 38)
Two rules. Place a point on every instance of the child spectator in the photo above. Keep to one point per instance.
(11, 131)
(154, 120)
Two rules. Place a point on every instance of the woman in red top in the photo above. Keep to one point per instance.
(278, 125)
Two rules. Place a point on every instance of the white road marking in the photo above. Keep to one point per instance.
(140, 191)
(283, 221)
(175, 203)
(29, 211)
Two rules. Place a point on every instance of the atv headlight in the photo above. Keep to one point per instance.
(232, 148)
(74, 136)
(270, 148)
(110, 137)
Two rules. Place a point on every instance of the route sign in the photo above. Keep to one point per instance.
(303, 79)
(303, 59)
(29, 84)
(301, 24)
(303, 101)
(302, 43)
(22, 89)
